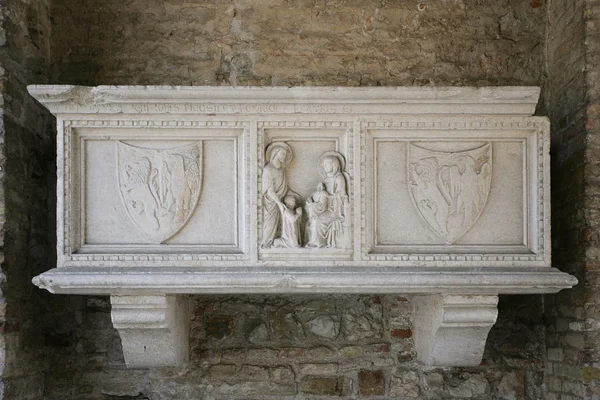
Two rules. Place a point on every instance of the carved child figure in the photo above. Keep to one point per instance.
(316, 205)
(290, 224)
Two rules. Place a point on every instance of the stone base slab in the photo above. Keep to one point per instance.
(139, 281)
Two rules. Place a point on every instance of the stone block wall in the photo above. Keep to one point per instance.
(27, 187)
(299, 347)
(298, 42)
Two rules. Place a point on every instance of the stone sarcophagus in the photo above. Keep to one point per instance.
(440, 193)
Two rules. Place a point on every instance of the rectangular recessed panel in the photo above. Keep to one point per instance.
(318, 183)
(455, 191)
(449, 193)
(181, 192)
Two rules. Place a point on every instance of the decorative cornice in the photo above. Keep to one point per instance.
(518, 100)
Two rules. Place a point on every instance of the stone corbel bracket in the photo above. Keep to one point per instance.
(153, 329)
(491, 235)
(452, 329)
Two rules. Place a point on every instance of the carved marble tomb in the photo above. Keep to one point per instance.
(441, 193)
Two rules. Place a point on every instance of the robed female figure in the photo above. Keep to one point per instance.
(274, 189)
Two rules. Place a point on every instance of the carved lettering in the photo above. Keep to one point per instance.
(141, 108)
(259, 108)
(316, 108)
(167, 108)
(211, 108)
(108, 108)
(157, 108)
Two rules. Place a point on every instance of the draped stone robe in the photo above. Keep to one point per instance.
(274, 183)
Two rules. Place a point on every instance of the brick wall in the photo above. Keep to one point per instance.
(298, 42)
(573, 330)
(27, 186)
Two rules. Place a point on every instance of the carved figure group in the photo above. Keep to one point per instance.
(326, 222)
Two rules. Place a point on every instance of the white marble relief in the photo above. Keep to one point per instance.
(449, 188)
(275, 189)
(291, 217)
(160, 188)
(329, 208)
(320, 221)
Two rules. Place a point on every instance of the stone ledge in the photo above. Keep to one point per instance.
(454, 308)
(229, 280)
(513, 100)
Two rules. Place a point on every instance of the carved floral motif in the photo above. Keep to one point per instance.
(449, 189)
(160, 188)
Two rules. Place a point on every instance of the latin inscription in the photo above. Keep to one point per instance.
(209, 108)
(322, 108)
(204, 108)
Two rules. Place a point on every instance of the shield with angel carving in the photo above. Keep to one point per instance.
(449, 189)
(159, 187)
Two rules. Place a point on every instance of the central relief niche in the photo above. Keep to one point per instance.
(305, 195)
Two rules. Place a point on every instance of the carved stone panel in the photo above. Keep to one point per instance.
(343, 179)
(305, 191)
(157, 190)
(449, 187)
(473, 196)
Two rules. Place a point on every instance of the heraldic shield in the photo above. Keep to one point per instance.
(449, 189)
(160, 188)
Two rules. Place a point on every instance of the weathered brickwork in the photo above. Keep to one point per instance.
(298, 42)
(572, 93)
(298, 347)
(27, 186)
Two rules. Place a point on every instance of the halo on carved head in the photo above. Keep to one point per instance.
(273, 147)
(331, 154)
